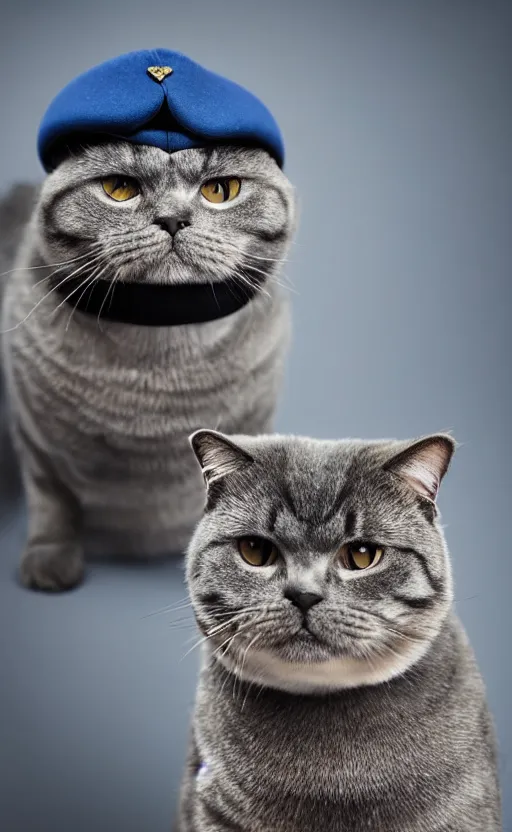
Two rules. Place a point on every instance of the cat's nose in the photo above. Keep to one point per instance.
(303, 600)
(172, 224)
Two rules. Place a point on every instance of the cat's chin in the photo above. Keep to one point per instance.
(166, 271)
(307, 666)
(168, 266)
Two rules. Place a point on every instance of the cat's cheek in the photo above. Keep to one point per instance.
(203, 778)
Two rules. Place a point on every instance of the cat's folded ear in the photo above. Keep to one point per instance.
(217, 455)
(424, 463)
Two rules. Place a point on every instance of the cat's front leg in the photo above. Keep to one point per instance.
(53, 556)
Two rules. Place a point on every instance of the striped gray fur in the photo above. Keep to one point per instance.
(15, 210)
(365, 712)
(100, 410)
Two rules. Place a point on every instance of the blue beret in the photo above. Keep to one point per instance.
(155, 97)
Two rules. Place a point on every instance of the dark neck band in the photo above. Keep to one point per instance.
(150, 304)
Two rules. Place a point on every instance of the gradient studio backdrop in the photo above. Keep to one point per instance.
(397, 118)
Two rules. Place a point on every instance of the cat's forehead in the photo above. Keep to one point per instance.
(322, 489)
(316, 466)
(186, 166)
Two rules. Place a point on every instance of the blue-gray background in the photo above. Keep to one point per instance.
(397, 117)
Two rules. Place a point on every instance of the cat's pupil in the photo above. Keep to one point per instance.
(257, 551)
(122, 184)
(363, 555)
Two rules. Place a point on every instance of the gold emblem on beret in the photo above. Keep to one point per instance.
(158, 73)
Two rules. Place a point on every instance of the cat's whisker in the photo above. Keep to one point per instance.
(185, 623)
(48, 277)
(111, 288)
(194, 647)
(70, 295)
(249, 686)
(178, 605)
(405, 636)
(39, 302)
(237, 250)
(218, 628)
(251, 256)
(213, 632)
(284, 281)
(244, 658)
(388, 625)
(236, 276)
(273, 278)
(174, 609)
(239, 631)
(228, 677)
(245, 281)
(92, 280)
(77, 271)
(245, 610)
(63, 264)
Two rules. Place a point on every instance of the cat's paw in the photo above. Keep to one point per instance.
(52, 567)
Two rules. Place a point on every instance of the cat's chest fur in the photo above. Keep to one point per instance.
(113, 405)
(368, 759)
(126, 383)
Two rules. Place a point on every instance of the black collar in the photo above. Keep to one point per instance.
(150, 304)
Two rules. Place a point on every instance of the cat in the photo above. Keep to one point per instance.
(338, 690)
(101, 409)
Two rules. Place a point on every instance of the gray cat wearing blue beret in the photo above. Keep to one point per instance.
(144, 302)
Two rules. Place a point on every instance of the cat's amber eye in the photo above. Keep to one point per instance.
(221, 190)
(120, 188)
(361, 555)
(257, 551)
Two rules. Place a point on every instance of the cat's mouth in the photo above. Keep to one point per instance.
(305, 634)
(303, 644)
